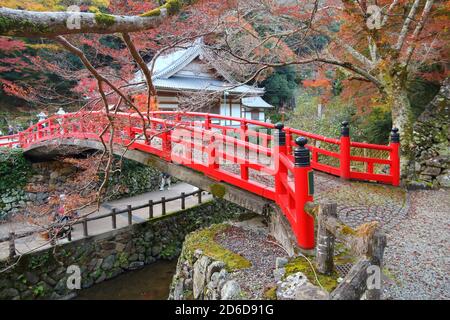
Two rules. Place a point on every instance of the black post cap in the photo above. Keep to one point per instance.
(345, 130)
(301, 153)
(395, 136)
(280, 135)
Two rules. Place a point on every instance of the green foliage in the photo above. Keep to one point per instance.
(280, 86)
(420, 93)
(218, 190)
(132, 179)
(38, 261)
(305, 117)
(373, 127)
(170, 251)
(14, 169)
(39, 291)
(377, 126)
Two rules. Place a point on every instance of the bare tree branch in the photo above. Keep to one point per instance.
(405, 28)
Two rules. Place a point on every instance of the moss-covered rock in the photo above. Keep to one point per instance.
(301, 264)
(204, 240)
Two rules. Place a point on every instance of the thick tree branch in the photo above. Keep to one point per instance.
(21, 23)
(152, 94)
(24, 23)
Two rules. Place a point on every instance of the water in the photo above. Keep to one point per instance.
(150, 283)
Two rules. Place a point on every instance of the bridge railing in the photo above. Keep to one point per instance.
(275, 164)
(56, 228)
(9, 141)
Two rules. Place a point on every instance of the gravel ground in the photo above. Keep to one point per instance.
(418, 252)
(261, 250)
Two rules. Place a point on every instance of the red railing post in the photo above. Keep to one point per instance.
(304, 189)
(288, 141)
(50, 127)
(39, 131)
(213, 163)
(395, 157)
(279, 148)
(207, 125)
(244, 137)
(65, 124)
(21, 139)
(167, 142)
(345, 151)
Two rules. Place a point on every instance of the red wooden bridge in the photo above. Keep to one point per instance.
(272, 161)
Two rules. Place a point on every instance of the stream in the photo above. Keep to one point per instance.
(149, 283)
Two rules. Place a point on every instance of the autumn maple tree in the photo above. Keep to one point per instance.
(383, 44)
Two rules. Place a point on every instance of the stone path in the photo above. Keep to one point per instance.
(99, 226)
(250, 239)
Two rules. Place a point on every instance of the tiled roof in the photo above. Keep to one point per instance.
(255, 102)
(169, 64)
(186, 83)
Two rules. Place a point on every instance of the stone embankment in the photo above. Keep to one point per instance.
(240, 260)
(44, 274)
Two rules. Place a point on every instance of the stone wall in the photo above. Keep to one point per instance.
(203, 278)
(431, 143)
(52, 178)
(42, 275)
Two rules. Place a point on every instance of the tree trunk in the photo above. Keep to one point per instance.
(402, 119)
(398, 102)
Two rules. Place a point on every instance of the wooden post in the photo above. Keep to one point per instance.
(12, 245)
(130, 215)
(354, 284)
(163, 206)
(150, 209)
(53, 236)
(376, 252)
(114, 218)
(85, 228)
(325, 239)
(69, 234)
(199, 196)
(183, 201)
